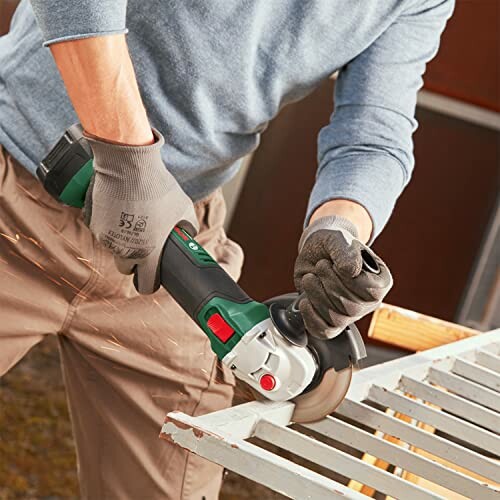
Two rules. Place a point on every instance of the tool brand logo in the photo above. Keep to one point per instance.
(193, 246)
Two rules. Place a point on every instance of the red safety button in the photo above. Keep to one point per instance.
(267, 382)
(219, 327)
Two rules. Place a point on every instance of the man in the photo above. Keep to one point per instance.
(169, 111)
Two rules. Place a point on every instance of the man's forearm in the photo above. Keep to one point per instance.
(352, 211)
(101, 83)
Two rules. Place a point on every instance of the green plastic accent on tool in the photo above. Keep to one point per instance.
(193, 247)
(241, 317)
(74, 192)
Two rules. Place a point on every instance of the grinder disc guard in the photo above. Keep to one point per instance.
(334, 360)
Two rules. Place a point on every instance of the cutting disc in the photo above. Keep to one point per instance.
(324, 398)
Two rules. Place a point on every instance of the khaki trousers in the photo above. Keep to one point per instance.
(127, 359)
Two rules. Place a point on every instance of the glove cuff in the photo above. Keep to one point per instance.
(137, 164)
(330, 222)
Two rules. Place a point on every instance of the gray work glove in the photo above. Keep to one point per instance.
(341, 278)
(132, 204)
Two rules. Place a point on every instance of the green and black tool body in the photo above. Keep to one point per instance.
(265, 344)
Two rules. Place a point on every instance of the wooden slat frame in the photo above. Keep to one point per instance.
(404, 458)
(338, 461)
(465, 389)
(448, 450)
(383, 329)
(453, 426)
(468, 410)
(222, 436)
(251, 461)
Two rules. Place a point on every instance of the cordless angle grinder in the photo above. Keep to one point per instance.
(265, 344)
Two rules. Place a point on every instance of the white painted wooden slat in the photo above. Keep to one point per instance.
(255, 463)
(421, 466)
(466, 409)
(488, 360)
(465, 388)
(240, 421)
(477, 374)
(449, 424)
(338, 461)
(441, 447)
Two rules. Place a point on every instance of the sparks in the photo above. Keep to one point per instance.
(110, 304)
(114, 343)
(78, 290)
(86, 262)
(93, 327)
(63, 237)
(53, 280)
(10, 238)
(109, 348)
(117, 341)
(35, 242)
(31, 261)
(160, 306)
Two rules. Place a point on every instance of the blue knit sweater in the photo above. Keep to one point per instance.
(212, 74)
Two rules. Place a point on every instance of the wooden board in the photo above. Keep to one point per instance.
(414, 331)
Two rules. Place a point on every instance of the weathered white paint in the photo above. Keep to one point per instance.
(468, 410)
(460, 429)
(253, 462)
(452, 452)
(374, 445)
(466, 389)
(476, 373)
(240, 421)
(417, 365)
(488, 360)
(471, 416)
(338, 461)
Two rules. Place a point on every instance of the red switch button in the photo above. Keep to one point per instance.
(267, 382)
(219, 327)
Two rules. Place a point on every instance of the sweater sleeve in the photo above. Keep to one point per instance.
(62, 20)
(365, 153)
